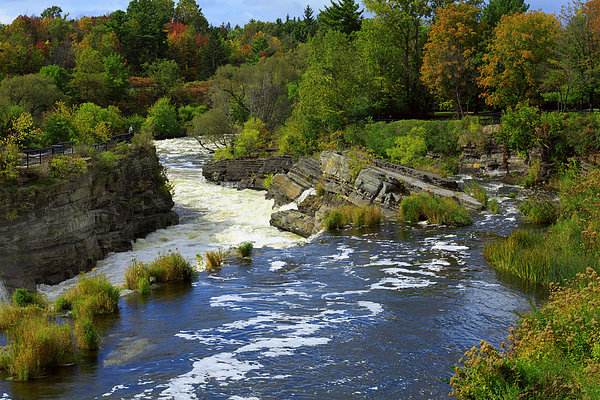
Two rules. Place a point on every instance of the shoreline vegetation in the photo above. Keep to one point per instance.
(333, 80)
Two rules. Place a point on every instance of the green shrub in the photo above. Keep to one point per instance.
(553, 354)
(436, 210)
(518, 127)
(64, 167)
(478, 192)
(538, 209)
(245, 249)
(144, 285)
(162, 120)
(93, 295)
(408, 149)
(166, 268)
(268, 181)
(22, 297)
(106, 159)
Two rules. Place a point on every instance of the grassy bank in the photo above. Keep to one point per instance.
(37, 340)
(569, 246)
(553, 354)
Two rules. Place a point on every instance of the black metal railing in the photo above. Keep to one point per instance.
(36, 156)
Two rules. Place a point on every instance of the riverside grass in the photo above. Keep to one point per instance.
(36, 341)
(553, 354)
(436, 210)
(166, 268)
(365, 216)
(568, 247)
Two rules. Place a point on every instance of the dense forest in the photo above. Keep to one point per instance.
(300, 84)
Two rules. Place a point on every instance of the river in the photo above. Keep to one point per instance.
(360, 314)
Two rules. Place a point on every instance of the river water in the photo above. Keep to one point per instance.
(364, 314)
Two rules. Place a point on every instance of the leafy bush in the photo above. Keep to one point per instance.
(553, 354)
(518, 127)
(437, 210)
(410, 148)
(267, 181)
(162, 120)
(245, 249)
(21, 297)
(65, 167)
(62, 304)
(106, 159)
(334, 220)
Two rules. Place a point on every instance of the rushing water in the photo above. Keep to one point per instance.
(361, 314)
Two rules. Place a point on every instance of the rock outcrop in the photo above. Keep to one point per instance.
(378, 183)
(246, 173)
(52, 233)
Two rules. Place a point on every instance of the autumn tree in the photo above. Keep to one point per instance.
(449, 70)
(518, 58)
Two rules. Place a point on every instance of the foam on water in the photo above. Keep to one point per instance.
(220, 217)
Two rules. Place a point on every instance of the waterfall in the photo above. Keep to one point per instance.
(4, 296)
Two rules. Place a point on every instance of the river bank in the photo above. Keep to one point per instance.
(359, 313)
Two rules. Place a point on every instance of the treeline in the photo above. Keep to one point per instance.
(297, 83)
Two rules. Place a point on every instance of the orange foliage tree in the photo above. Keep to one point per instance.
(449, 69)
(518, 58)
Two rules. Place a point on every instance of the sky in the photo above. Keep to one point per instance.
(238, 12)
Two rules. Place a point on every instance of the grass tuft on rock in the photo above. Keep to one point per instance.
(478, 192)
(361, 217)
(244, 250)
(167, 267)
(540, 210)
(436, 210)
(214, 260)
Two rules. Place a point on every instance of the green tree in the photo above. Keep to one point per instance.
(52, 12)
(189, 13)
(496, 9)
(162, 120)
(59, 75)
(147, 34)
(343, 16)
(166, 74)
(212, 128)
(34, 93)
(89, 81)
(116, 74)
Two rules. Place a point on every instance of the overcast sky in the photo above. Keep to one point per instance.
(216, 11)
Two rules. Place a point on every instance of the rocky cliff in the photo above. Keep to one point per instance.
(377, 183)
(246, 173)
(52, 233)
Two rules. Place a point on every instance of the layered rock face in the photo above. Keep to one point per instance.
(64, 229)
(378, 183)
(246, 173)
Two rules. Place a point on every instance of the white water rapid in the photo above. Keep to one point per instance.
(211, 217)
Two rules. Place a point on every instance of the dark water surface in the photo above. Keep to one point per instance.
(378, 314)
